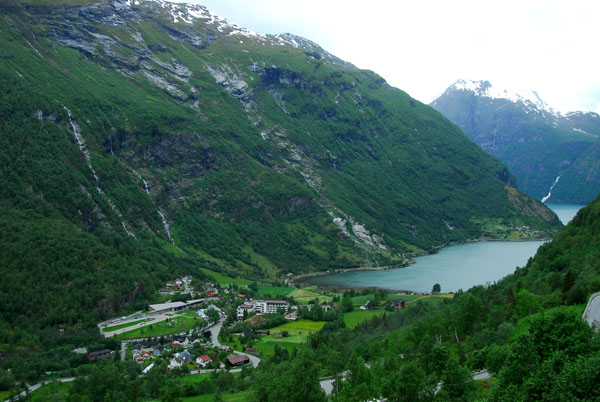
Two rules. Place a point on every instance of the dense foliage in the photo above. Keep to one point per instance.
(135, 149)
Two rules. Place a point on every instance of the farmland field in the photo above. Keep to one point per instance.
(298, 333)
(226, 280)
(354, 318)
(304, 295)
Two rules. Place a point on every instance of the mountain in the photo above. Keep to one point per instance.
(143, 140)
(555, 157)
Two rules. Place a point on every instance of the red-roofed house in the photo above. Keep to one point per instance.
(203, 361)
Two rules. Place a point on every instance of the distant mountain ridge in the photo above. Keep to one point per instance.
(554, 156)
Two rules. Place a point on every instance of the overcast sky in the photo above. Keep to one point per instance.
(423, 46)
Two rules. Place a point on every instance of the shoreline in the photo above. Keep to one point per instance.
(300, 280)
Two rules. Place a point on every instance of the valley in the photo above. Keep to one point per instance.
(168, 175)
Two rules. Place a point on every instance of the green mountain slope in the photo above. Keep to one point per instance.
(144, 140)
(552, 155)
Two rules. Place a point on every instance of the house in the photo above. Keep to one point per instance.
(262, 332)
(237, 360)
(243, 308)
(158, 350)
(165, 291)
(326, 307)
(175, 362)
(399, 303)
(187, 343)
(203, 361)
(100, 355)
(186, 356)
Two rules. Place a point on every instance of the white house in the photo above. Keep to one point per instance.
(203, 361)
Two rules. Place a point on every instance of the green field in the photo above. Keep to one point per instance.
(275, 291)
(128, 324)
(180, 323)
(238, 397)
(226, 280)
(304, 295)
(354, 318)
(197, 377)
(298, 333)
(4, 395)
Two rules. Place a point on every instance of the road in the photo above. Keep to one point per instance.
(592, 311)
(215, 329)
(31, 388)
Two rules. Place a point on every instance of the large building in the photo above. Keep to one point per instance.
(262, 307)
(173, 306)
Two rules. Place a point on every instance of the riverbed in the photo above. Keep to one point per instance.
(454, 267)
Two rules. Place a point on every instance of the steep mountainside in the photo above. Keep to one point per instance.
(554, 156)
(141, 139)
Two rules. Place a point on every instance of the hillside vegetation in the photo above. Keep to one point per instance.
(141, 141)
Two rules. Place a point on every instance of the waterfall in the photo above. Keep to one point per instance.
(551, 188)
(88, 158)
(162, 215)
(139, 176)
(166, 225)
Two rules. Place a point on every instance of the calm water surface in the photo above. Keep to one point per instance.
(455, 267)
(565, 212)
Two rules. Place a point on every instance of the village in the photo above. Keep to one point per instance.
(204, 326)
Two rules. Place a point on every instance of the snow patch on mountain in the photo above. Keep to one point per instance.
(531, 99)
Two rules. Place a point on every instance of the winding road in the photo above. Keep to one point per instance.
(214, 331)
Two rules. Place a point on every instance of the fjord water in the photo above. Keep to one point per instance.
(455, 267)
(565, 212)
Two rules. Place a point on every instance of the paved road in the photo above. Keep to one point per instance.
(592, 311)
(31, 388)
(123, 350)
(326, 383)
(215, 341)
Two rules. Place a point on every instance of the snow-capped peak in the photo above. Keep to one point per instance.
(187, 13)
(531, 99)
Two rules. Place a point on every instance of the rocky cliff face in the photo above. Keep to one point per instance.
(182, 129)
(538, 144)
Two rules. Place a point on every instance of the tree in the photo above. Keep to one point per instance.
(347, 305)
(436, 288)
(469, 311)
(409, 383)
(456, 381)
